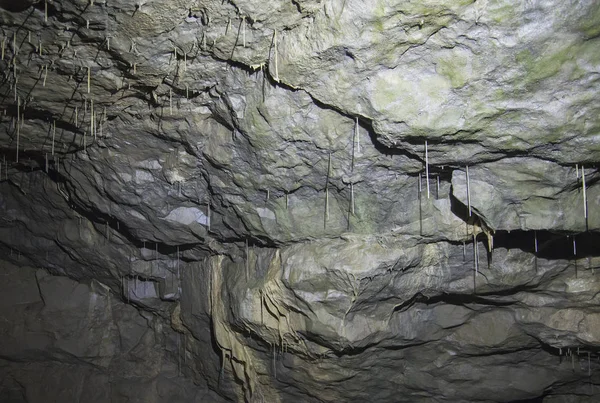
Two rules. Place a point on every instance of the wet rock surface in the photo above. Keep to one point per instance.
(300, 201)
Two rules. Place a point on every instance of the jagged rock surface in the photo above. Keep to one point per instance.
(300, 201)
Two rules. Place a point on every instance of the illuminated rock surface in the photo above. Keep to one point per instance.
(277, 201)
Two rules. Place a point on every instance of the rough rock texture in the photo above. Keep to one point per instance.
(65, 341)
(316, 201)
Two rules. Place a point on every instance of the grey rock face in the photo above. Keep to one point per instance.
(300, 201)
(68, 341)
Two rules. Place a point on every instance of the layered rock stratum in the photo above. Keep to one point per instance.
(300, 201)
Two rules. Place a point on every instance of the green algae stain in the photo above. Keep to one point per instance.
(502, 11)
(454, 68)
(590, 24)
(540, 68)
(393, 93)
(565, 60)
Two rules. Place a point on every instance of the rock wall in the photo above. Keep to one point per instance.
(309, 200)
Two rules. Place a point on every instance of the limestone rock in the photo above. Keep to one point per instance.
(312, 201)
